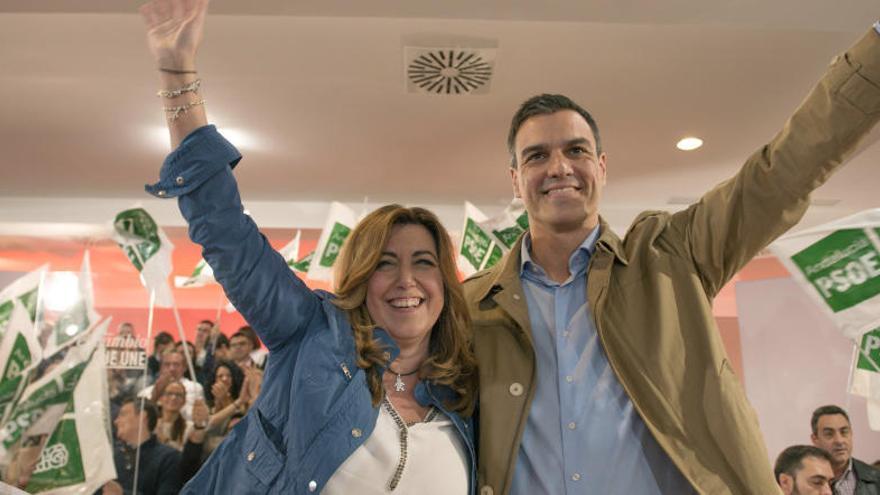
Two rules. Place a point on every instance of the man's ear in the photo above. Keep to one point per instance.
(786, 482)
(602, 166)
(514, 179)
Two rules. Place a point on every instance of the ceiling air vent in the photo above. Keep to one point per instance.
(449, 71)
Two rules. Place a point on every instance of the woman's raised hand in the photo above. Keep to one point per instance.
(174, 31)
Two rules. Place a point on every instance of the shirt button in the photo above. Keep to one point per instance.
(575, 476)
(572, 425)
(313, 486)
(356, 432)
(251, 456)
(179, 180)
(486, 490)
(569, 378)
(516, 389)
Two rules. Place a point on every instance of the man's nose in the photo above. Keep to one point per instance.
(560, 166)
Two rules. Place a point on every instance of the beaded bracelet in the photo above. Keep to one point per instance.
(192, 87)
(175, 112)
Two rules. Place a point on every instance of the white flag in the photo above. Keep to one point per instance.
(506, 228)
(19, 350)
(866, 375)
(337, 227)
(838, 265)
(26, 290)
(79, 312)
(78, 456)
(201, 276)
(148, 249)
(477, 250)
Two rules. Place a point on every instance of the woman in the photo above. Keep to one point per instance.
(172, 428)
(224, 385)
(368, 392)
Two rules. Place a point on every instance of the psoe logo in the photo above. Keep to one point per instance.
(53, 457)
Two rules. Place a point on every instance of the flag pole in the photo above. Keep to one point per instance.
(137, 455)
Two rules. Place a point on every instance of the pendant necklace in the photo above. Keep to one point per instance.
(399, 386)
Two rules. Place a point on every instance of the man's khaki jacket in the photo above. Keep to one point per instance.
(651, 297)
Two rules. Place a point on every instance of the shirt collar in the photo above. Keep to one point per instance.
(577, 262)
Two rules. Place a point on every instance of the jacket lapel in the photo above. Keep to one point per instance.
(502, 287)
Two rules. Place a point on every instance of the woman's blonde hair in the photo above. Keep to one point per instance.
(451, 361)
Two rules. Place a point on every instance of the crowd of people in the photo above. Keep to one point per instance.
(177, 420)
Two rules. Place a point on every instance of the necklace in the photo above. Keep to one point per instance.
(399, 386)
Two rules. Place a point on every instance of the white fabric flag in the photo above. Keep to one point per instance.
(866, 375)
(340, 222)
(44, 401)
(26, 290)
(838, 265)
(478, 249)
(201, 276)
(79, 316)
(19, 349)
(78, 456)
(507, 226)
(148, 249)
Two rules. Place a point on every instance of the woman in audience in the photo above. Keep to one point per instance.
(171, 429)
(224, 385)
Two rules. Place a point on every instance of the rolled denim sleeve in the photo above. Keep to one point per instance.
(255, 277)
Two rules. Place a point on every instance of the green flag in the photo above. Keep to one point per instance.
(148, 249)
(19, 349)
(339, 224)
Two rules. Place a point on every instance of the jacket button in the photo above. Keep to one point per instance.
(356, 432)
(516, 297)
(251, 456)
(179, 180)
(486, 490)
(516, 389)
(313, 486)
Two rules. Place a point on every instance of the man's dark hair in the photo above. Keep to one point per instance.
(209, 322)
(546, 104)
(826, 411)
(222, 341)
(791, 460)
(250, 334)
(146, 406)
(162, 338)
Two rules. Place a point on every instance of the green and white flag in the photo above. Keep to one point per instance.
(508, 226)
(302, 265)
(478, 249)
(78, 456)
(339, 224)
(201, 276)
(148, 249)
(290, 252)
(838, 265)
(19, 349)
(24, 289)
(866, 375)
(44, 401)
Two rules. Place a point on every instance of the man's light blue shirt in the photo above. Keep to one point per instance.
(583, 435)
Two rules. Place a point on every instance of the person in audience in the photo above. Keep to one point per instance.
(125, 330)
(158, 467)
(224, 386)
(191, 349)
(832, 432)
(172, 428)
(160, 342)
(172, 369)
(242, 347)
(803, 470)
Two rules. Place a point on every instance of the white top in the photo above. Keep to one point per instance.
(194, 391)
(436, 461)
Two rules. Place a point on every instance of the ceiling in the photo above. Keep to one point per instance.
(314, 93)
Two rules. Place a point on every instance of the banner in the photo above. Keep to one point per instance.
(148, 249)
(78, 456)
(339, 224)
(838, 264)
(478, 249)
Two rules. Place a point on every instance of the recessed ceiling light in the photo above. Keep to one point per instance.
(689, 143)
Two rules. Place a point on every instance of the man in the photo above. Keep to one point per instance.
(161, 341)
(172, 369)
(157, 472)
(804, 470)
(832, 432)
(601, 370)
(243, 349)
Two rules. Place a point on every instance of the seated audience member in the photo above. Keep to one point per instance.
(224, 386)
(804, 470)
(242, 347)
(160, 342)
(172, 370)
(158, 469)
(217, 349)
(832, 432)
(171, 429)
(191, 348)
